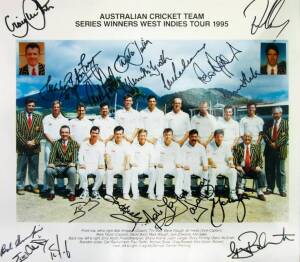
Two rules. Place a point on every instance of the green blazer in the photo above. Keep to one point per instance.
(25, 134)
(282, 138)
(59, 158)
(255, 155)
(24, 70)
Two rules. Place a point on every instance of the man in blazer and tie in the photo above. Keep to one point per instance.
(62, 162)
(33, 66)
(249, 163)
(276, 134)
(29, 134)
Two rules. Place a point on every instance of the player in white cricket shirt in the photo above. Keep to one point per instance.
(230, 127)
(220, 160)
(105, 123)
(129, 119)
(80, 126)
(194, 161)
(179, 122)
(153, 120)
(52, 124)
(168, 162)
(252, 124)
(91, 161)
(204, 123)
(117, 156)
(142, 162)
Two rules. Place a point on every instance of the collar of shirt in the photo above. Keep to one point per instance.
(27, 114)
(278, 122)
(269, 69)
(36, 67)
(58, 117)
(245, 149)
(64, 142)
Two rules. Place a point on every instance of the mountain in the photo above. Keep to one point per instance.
(91, 95)
(193, 96)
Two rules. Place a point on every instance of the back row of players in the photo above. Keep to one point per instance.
(156, 144)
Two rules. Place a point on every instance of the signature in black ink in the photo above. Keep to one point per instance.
(132, 55)
(166, 212)
(245, 80)
(35, 241)
(217, 64)
(53, 248)
(34, 16)
(254, 243)
(80, 208)
(268, 18)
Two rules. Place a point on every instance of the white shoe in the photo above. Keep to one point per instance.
(151, 197)
(211, 196)
(126, 197)
(159, 198)
(188, 196)
(135, 197)
(84, 194)
(95, 194)
(107, 197)
(233, 196)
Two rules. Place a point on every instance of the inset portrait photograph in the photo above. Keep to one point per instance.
(32, 58)
(273, 59)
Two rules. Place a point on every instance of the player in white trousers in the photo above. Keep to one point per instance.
(91, 161)
(220, 160)
(194, 159)
(117, 156)
(168, 162)
(142, 162)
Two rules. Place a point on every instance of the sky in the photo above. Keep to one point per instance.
(235, 58)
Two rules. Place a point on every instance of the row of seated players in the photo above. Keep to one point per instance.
(141, 157)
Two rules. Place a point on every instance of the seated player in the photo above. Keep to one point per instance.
(194, 161)
(62, 161)
(168, 162)
(117, 156)
(91, 161)
(142, 160)
(220, 161)
(249, 162)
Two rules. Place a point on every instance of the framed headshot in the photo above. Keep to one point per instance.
(32, 58)
(273, 59)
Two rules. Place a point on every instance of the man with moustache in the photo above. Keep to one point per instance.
(178, 121)
(204, 123)
(194, 162)
(105, 123)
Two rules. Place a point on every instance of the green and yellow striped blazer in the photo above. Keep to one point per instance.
(25, 134)
(255, 155)
(59, 158)
(282, 138)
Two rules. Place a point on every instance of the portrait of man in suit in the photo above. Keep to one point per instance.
(33, 66)
(273, 65)
(29, 134)
(276, 136)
